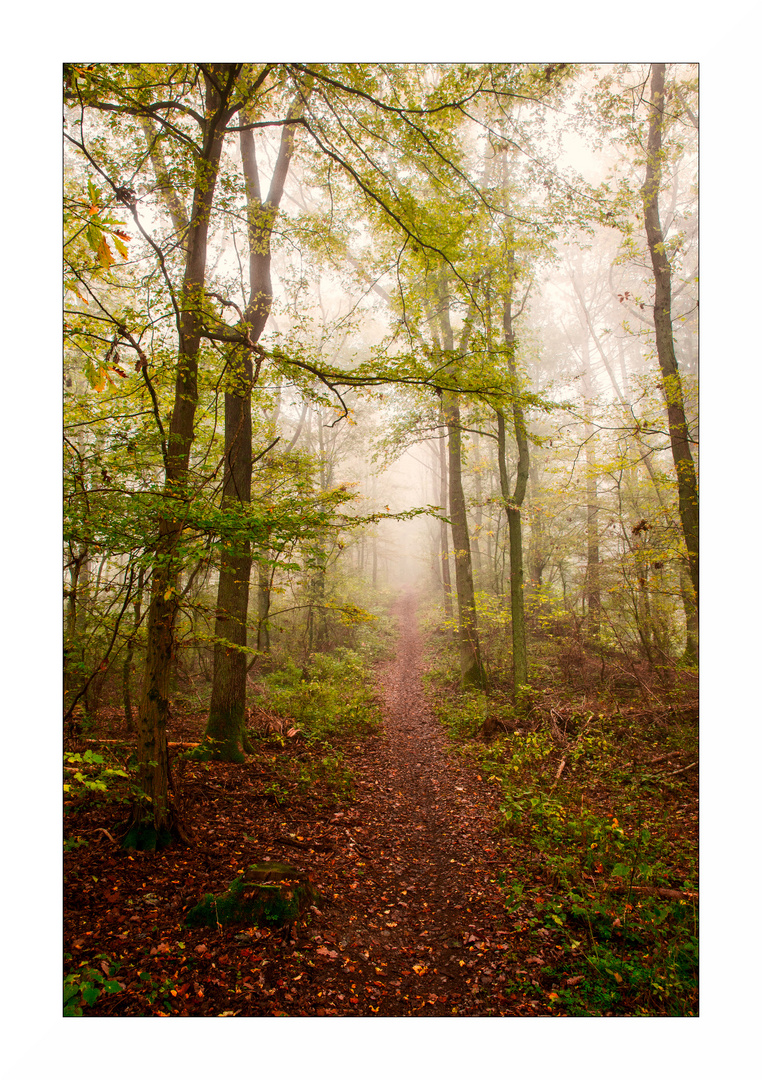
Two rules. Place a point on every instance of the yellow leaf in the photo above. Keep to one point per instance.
(168, 593)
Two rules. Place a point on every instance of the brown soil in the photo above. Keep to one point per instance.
(411, 920)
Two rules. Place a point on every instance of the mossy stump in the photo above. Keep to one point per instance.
(268, 895)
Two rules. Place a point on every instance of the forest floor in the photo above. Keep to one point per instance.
(411, 918)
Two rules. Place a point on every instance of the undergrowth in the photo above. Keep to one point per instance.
(329, 703)
(598, 813)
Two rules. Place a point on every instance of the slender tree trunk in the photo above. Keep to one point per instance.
(130, 653)
(690, 654)
(687, 488)
(593, 576)
(472, 671)
(471, 667)
(593, 583)
(514, 502)
(537, 540)
(225, 729)
(478, 517)
(74, 647)
(264, 579)
(153, 821)
(513, 515)
(444, 551)
(643, 616)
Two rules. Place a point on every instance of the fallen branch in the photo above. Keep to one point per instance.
(106, 833)
(298, 844)
(576, 742)
(133, 742)
(693, 765)
(654, 890)
(658, 760)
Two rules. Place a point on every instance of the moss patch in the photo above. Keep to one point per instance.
(267, 894)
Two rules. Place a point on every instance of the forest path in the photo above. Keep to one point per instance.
(421, 832)
(410, 919)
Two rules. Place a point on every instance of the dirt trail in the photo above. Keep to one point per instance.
(410, 920)
(423, 826)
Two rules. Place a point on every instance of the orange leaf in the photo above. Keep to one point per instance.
(105, 257)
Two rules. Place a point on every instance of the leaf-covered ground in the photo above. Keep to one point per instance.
(408, 857)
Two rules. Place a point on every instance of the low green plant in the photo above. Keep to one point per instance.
(593, 847)
(90, 772)
(464, 715)
(161, 991)
(83, 987)
(74, 843)
(331, 698)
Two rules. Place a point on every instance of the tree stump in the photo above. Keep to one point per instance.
(267, 895)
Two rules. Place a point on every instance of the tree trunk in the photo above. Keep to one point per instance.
(471, 668)
(153, 822)
(74, 645)
(478, 516)
(225, 729)
(687, 488)
(513, 503)
(472, 671)
(444, 552)
(537, 556)
(593, 582)
(690, 654)
(593, 576)
(264, 581)
(513, 514)
(130, 653)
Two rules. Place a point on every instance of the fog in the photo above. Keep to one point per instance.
(495, 267)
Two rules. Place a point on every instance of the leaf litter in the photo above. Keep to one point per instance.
(410, 920)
